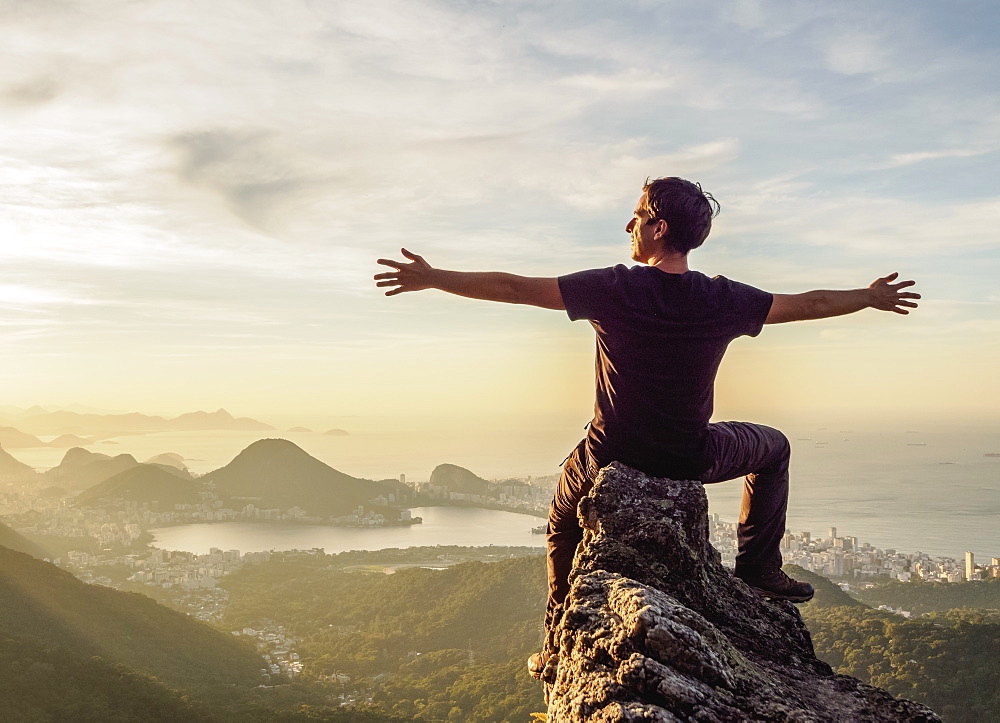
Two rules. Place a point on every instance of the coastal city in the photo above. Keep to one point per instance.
(846, 558)
(117, 536)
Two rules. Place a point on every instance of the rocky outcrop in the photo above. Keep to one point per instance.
(656, 629)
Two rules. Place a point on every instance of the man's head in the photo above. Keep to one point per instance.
(687, 210)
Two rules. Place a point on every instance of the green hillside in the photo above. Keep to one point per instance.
(147, 483)
(14, 540)
(275, 473)
(41, 601)
(925, 597)
(453, 642)
(43, 683)
(828, 594)
(949, 661)
(435, 640)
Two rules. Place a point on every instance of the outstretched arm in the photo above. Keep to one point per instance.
(881, 294)
(487, 285)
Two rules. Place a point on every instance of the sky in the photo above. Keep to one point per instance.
(193, 196)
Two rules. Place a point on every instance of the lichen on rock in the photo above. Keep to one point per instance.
(655, 629)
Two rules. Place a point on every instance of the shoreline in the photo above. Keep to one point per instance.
(390, 523)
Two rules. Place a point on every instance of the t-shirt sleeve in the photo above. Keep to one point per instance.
(752, 306)
(588, 294)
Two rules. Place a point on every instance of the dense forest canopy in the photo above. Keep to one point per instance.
(436, 644)
(418, 644)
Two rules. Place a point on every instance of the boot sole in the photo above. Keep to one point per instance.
(778, 596)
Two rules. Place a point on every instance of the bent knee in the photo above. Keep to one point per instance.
(783, 444)
(777, 438)
(780, 447)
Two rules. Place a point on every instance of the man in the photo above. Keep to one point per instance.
(662, 330)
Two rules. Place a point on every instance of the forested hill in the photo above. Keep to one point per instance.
(926, 597)
(43, 603)
(459, 479)
(442, 644)
(13, 540)
(451, 644)
(275, 473)
(949, 661)
(41, 682)
(828, 593)
(144, 483)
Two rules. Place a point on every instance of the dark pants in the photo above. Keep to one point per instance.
(737, 449)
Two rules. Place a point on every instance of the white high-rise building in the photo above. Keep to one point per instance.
(970, 565)
(833, 533)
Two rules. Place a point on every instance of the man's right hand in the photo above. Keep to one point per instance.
(887, 296)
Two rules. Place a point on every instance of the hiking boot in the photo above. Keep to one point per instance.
(777, 585)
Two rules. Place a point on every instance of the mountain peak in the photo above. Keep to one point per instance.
(277, 473)
(76, 456)
(273, 445)
(143, 483)
(458, 479)
(655, 628)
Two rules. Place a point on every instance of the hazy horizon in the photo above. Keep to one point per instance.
(910, 484)
(193, 202)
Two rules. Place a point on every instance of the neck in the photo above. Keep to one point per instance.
(670, 263)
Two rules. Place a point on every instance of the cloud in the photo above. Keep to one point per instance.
(228, 173)
(879, 225)
(855, 53)
(28, 296)
(906, 159)
(34, 92)
(243, 167)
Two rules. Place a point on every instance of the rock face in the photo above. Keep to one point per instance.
(656, 629)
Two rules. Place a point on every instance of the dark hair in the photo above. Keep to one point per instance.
(687, 209)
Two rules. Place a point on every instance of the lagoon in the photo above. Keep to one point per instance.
(464, 526)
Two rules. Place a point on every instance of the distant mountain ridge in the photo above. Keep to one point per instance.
(16, 439)
(64, 422)
(12, 438)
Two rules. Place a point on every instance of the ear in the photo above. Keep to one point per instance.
(660, 229)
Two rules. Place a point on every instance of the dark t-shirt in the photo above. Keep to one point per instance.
(660, 339)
